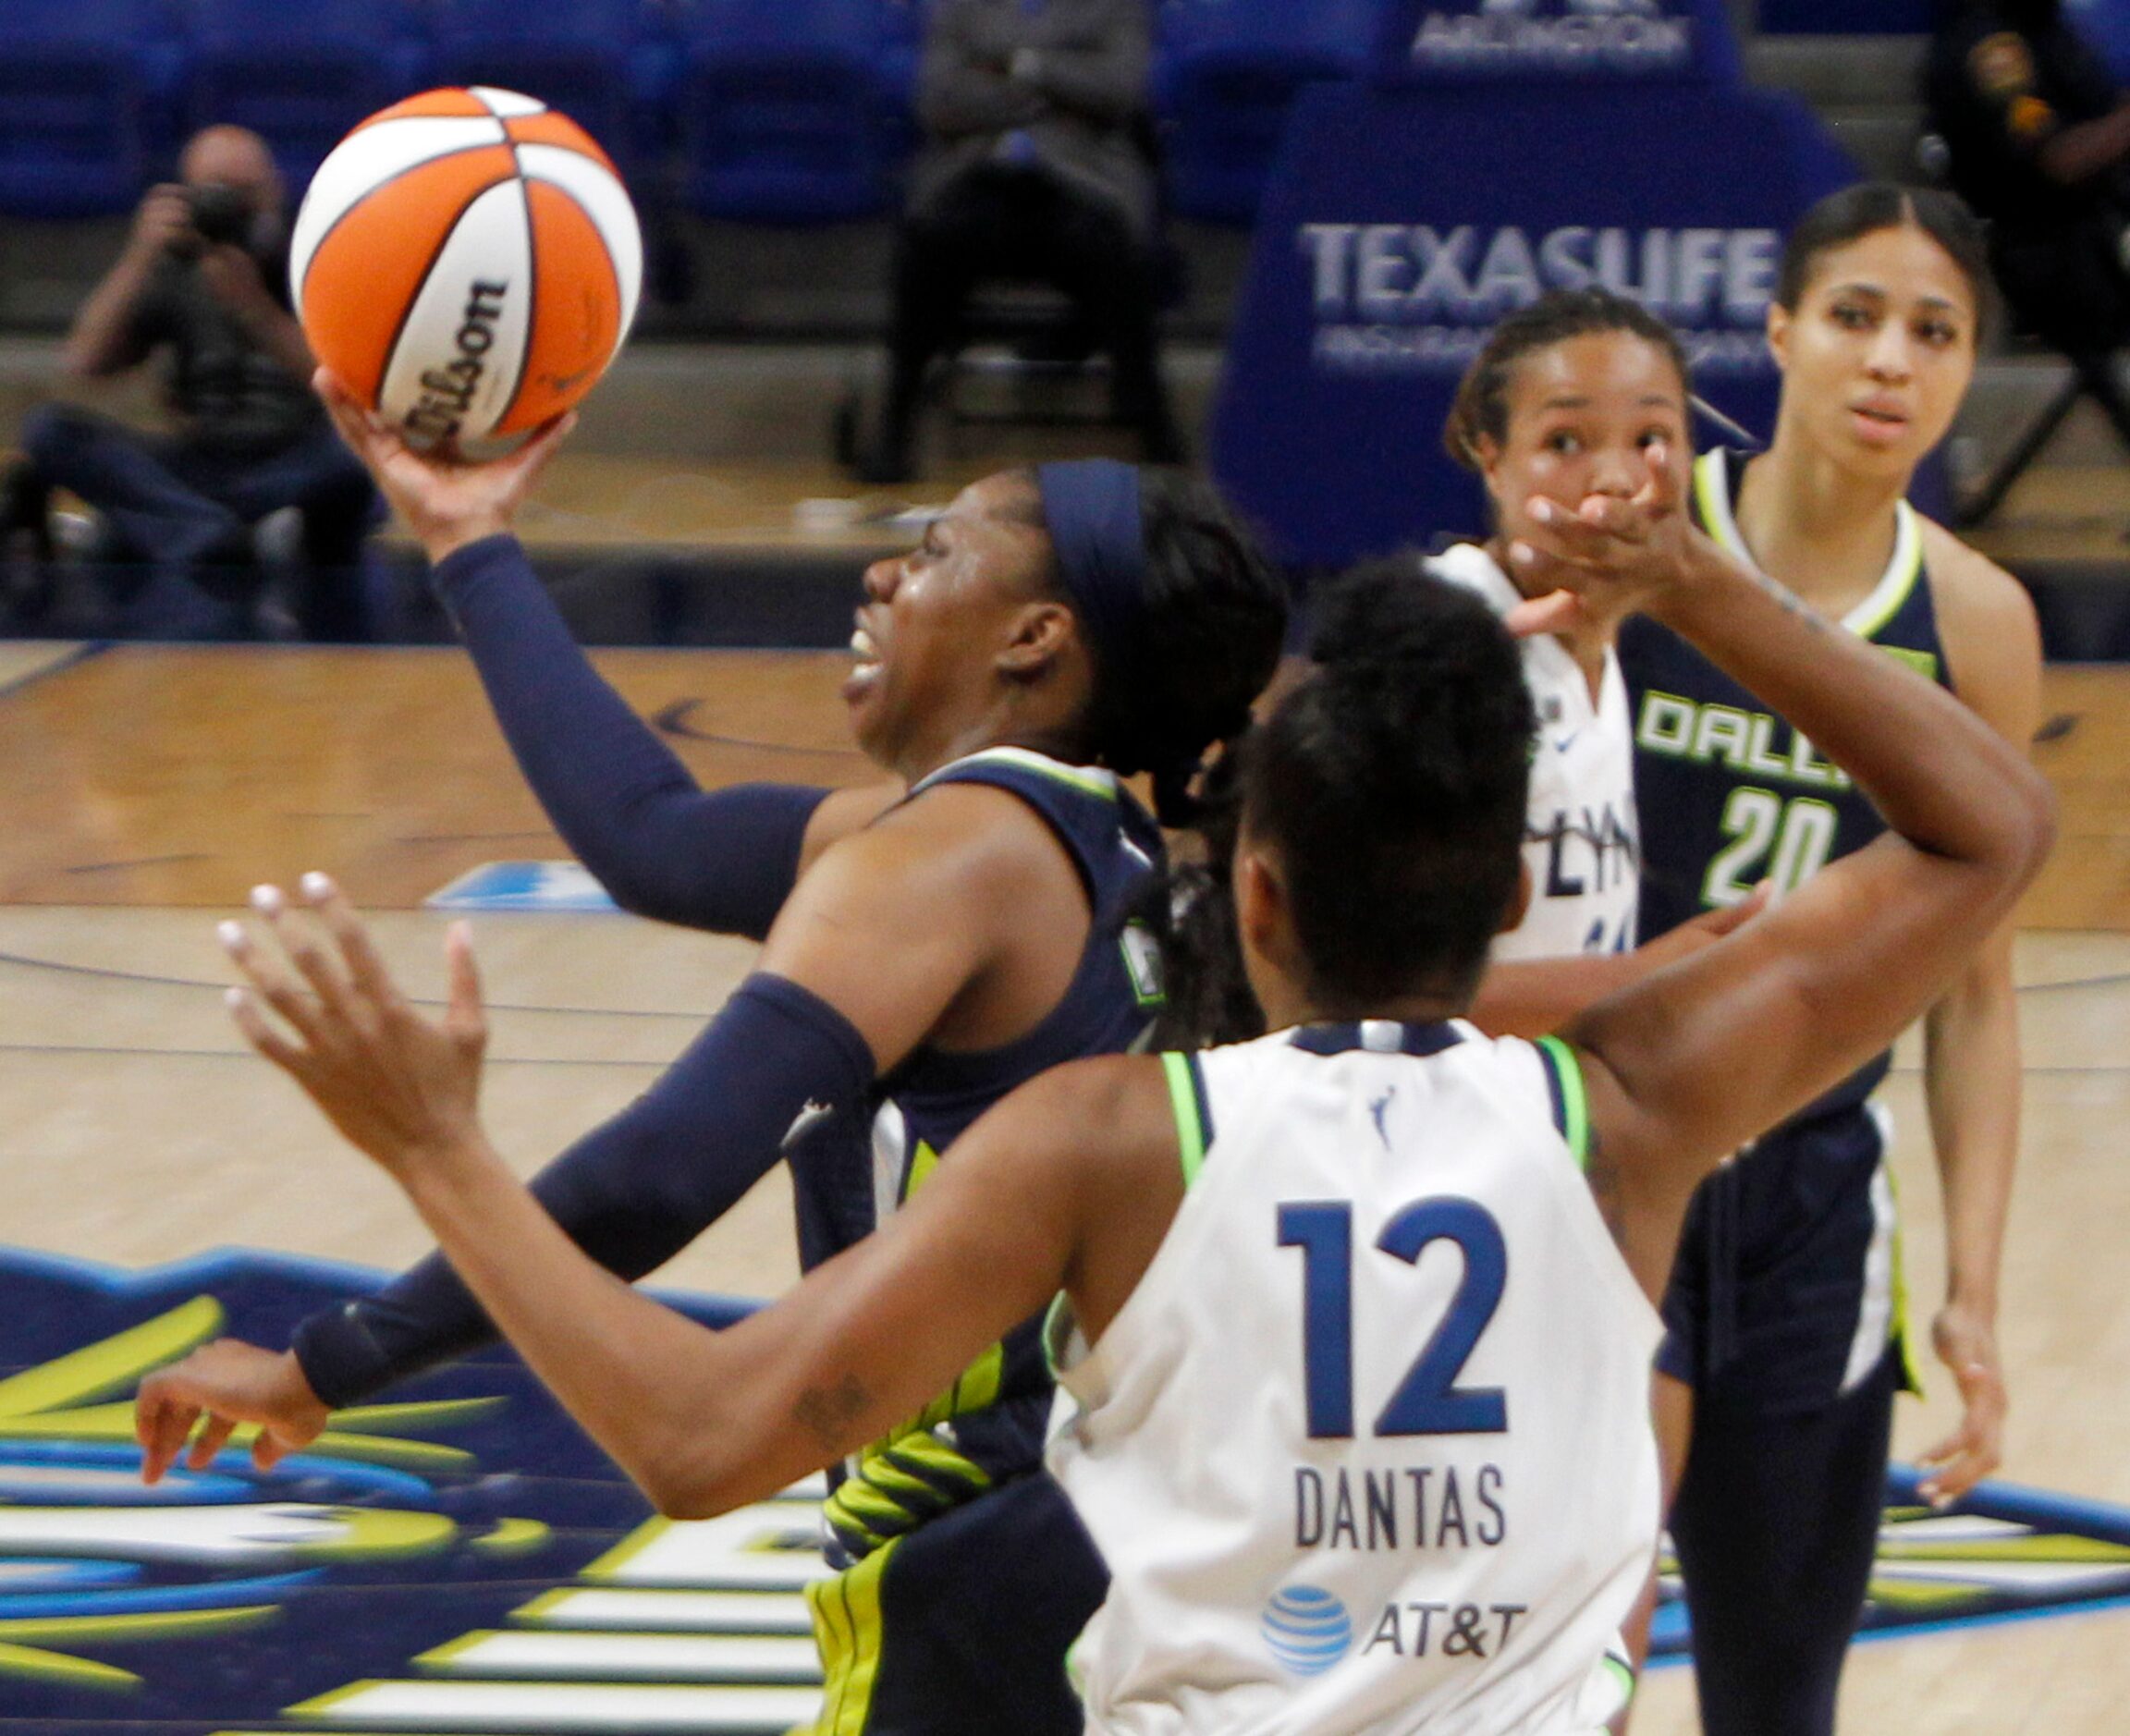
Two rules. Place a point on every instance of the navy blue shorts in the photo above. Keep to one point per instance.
(961, 1627)
(1786, 1293)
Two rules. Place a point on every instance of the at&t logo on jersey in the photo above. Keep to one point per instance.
(1554, 36)
(1308, 1629)
(1399, 297)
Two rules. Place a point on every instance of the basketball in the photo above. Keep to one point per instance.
(467, 262)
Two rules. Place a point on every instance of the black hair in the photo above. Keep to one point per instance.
(1207, 643)
(1389, 786)
(1482, 405)
(1870, 206)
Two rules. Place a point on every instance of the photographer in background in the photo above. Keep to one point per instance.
(204, 279)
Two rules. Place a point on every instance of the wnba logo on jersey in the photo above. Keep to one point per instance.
(1308, 1630)
(1554, 36)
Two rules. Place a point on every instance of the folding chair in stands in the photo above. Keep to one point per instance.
(2092, 374)
(1026, 340)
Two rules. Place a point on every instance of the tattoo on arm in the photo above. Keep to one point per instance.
(826, 1412)
(1789, 602)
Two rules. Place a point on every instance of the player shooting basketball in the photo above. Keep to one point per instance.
(1248, 1239)
(931, 942)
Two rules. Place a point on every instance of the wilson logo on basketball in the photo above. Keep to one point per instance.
(467, 264)
(448, 391)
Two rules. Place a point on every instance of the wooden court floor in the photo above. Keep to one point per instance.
(144, 790)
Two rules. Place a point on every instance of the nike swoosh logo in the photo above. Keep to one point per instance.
(805, 1121)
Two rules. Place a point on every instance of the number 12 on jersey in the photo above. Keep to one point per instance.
(1429, 1400)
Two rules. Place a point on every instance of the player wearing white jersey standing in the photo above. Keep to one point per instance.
(1321, 1273)
(1566, 397)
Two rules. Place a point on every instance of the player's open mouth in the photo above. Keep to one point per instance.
(865, 666)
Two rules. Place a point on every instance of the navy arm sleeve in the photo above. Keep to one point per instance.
(661, 846)
(635, 1191)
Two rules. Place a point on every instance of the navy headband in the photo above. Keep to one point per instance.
(1093, 511)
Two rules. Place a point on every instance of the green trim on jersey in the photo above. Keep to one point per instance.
(848, 1630)
(1903, 572)
(1574, 1106)
(1090, 780)
(1903, 1334)
(1713, 504)
(1187, 1099)
(1623, 1674)
(1057, 1326)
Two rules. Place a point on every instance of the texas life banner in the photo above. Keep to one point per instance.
(1436, 42)
(1401, 224)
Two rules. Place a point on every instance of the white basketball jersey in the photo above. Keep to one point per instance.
(1580, 840)
(1368, 1449)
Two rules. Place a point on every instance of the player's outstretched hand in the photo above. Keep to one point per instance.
(1966, 1343)
(1600, 558)
(228, 1383)
(402, 1088)
(447, 500)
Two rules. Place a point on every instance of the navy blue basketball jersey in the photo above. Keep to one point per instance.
(1729, 794)
(990, 1425)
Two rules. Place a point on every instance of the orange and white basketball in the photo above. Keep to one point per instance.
(467, 262)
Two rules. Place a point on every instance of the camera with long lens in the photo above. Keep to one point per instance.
(221, 215)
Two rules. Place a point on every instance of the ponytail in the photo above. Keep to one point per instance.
(1209, 997)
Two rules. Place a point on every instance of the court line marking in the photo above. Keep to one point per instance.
(65, 655)
(246, 1055)
(25, 961)
(573, 1061)
(111, 974)
(673, 720)
(136, 862)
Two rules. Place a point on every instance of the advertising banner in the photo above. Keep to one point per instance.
(1402, 225)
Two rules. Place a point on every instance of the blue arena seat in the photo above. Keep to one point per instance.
(299, 72)
(607, 64)
(2105, 24)
(788, 109)
(83, 84)
(1227, 73)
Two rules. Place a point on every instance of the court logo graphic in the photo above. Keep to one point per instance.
(1308, 1629)
(456, 1556)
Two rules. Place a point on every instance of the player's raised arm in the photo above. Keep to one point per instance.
(700, 1421)
(663, 847)
(874, 948)
(1705, 1054)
